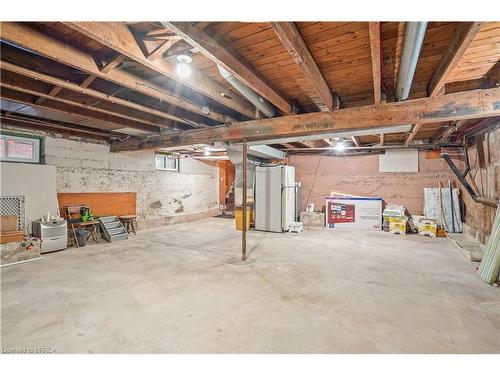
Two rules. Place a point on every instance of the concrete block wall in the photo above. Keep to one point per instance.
(163, 197)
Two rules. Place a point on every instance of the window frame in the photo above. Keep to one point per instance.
(39, 147)
(167, 156)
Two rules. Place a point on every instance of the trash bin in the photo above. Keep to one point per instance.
(81, 237)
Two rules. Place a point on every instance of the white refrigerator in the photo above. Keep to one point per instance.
(274, 198)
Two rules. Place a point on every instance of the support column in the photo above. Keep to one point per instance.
(244, 205)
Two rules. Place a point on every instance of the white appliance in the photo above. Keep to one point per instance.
(274, 198)
(54, 234)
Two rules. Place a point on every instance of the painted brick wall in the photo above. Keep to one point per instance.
(359, 175)
(162, 196)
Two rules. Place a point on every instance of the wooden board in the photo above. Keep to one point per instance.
(101, 204)
(8, 223)
(12, 236)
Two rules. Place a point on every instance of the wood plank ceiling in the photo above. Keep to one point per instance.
(118, 80)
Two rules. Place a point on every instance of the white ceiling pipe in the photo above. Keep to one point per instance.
(262, 104)
(412, 44)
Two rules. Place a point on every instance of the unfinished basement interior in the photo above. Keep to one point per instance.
(250, 187)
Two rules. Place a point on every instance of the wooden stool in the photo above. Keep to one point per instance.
(128, 222)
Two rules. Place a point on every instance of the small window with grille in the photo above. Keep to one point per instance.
(20, 148)
(165, 162)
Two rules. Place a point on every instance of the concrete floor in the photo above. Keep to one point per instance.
(175, 290)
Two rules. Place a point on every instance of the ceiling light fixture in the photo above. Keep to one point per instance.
(183, 69)
(339, 146)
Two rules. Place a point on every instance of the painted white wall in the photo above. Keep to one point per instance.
(36, 182)
(398, 161)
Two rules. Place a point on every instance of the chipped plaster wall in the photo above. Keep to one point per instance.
(359, 175)
(163, 197)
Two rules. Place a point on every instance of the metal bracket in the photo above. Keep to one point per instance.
(461, 177)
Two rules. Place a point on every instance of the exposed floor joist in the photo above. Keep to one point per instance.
(374, 31)
(90, 92)
(230, 61)
(118, 37)
(67, 107)
(291, 38)
(465, 33)
(25, 37)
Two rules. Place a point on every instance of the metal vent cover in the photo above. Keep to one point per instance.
(14, 205)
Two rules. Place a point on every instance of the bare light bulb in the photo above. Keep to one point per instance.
(339, 146)
(183, 70)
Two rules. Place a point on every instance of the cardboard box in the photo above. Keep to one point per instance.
(427, 227)
(313, 219)
(399, 227)
(354, 212)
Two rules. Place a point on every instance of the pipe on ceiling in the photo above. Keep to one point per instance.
(262, 104)
(412, 44)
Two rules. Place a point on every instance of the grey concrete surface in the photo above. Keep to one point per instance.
(175, 290)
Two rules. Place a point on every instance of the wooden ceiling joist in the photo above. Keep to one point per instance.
(69, 107)
(163, 48)
(112, 64)
(463, 105)
(291, 38)
(230, 61)
(42, 44)
(374, 31)
(118, 37)
(15, 119)
(465, 33)
(90, 92)
(55, 90)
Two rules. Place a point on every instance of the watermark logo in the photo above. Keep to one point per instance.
(29, 350)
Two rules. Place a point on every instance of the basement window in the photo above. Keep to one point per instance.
(20, 148)
(165, 162)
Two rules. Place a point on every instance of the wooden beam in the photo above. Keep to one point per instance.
(88, 81)
(56, 125)
(291, 38)
(463, 105)
(231, 61)
(455, 125)
(162, 48)
(23, 36)
(81, 89)
(68, 107)
(118, 37)
(465, 33)
(413, 133)
(355, 141)
(374, 31)
(112, 64)
(318, 143)
(55, 90)
(382, 139)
